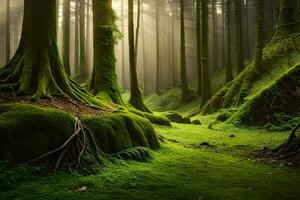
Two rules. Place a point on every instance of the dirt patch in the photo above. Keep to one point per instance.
(62, 103)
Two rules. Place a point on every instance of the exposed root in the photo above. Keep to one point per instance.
(82, 152)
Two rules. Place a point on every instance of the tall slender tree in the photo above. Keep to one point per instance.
(198, 33)
(84, 72)
(258, 62)
(185, 92)
(206, 84)
(238, 34)
(66, 36)
(158, 68)
(7, 31)
(87, 34)
(215, 36)
(76, 50)
(229, 74)
(136, 99)
(104, 79)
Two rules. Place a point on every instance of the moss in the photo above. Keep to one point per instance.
(178, 118)
(27, 131)
(155, 119)
(281, 96)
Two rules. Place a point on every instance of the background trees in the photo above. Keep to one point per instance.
(158, 61)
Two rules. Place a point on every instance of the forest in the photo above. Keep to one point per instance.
(149, 99)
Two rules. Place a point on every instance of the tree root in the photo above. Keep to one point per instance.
(82, 152)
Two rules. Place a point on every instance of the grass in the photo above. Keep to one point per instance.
(175, 172)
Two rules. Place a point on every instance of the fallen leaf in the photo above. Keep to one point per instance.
(83, 188)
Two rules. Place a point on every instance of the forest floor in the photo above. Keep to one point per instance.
(221, 168)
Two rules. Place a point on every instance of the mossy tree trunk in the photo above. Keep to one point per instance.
(186, 94)
(36, 68)
(286, 20)
(258, 62)
(198, 32)
(7, 31)
(229, 74)
(136, 99)
(238, 35)
(66, 37)
(104, 79)
(205, 68)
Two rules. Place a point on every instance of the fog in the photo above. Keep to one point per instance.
(156, 47)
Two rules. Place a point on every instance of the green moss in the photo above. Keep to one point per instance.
(176, 172)
(27, 131)
(273, 103)
(153, 118)
(177, 117)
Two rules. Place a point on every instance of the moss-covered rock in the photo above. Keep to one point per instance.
(177, 118)
(27, 131)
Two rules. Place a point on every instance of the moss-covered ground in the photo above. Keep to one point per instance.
(176, 171)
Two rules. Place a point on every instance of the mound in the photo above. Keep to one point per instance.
(281, 96)
(28, 132)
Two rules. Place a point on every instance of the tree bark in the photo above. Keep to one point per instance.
(258, 62)
(229, 74)
(84, 72)
(198, 32)
(238, 35)
(158, 69)
(66, 37)
(76, 55)
(186, 94)
(215, 36)
(104, 79)
(136, 94)
(206, 93)
(7, 31)
(36, 68)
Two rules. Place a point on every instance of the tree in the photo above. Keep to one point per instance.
(258, 62)
(205, 68)
(198, 32)
(104, 79)
(36, 68)
(136, 94)
(76, 50)
(66, 37)
(229, 75)
(238, 35)
(83, 67)
(158, 69)
(185, 92)
(7, 31)
(215, 36)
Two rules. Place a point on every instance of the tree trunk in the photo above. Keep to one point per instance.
(84, 72)
(198, 29)
(36, 68)
(186, 94)
(76, 55)
(158, 69)
(104, 79)
(205, 68)
(229, 75)
(123, 45)
(258, 62)
(136, 94)
(87, 35)
(238, 35)
(66, 37)
(215, 36)
(7, 31)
